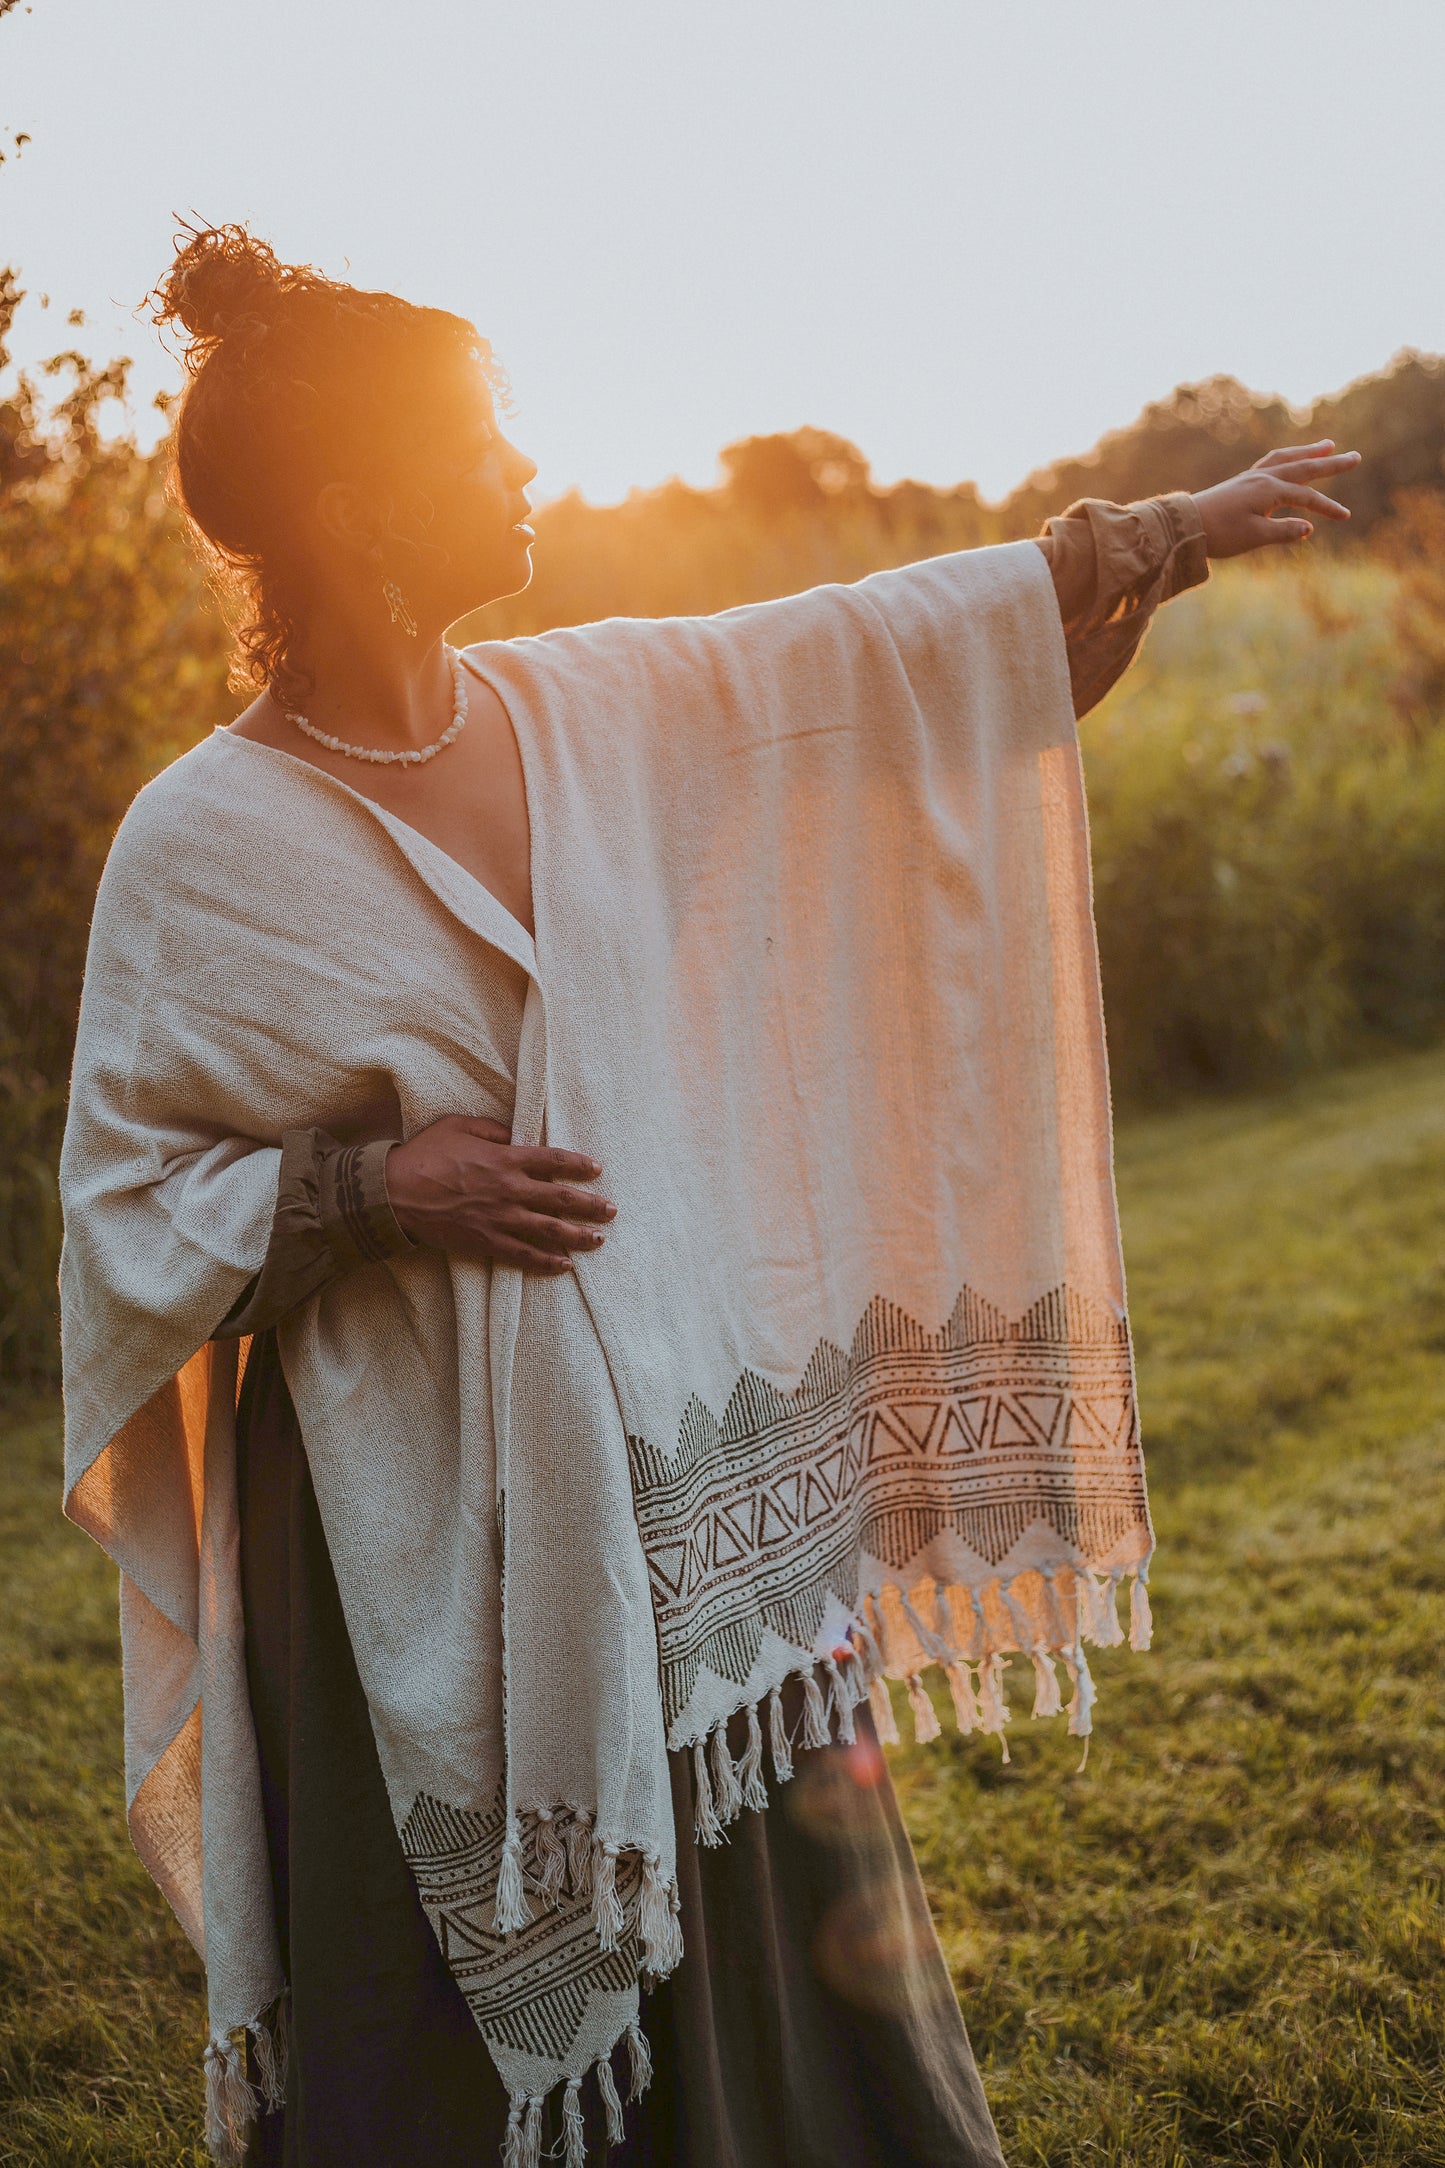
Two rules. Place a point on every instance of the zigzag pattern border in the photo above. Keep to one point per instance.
(979, 1430)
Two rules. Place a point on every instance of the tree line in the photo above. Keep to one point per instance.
(113, 655)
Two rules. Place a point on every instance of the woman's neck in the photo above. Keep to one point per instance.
(374, 685)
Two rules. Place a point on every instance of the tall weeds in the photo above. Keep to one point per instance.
(1268, 811)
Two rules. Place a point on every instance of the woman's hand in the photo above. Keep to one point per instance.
(462, 1185)
(1238, 515)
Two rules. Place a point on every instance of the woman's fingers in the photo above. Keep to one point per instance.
(555, 1201)
(1314, 470)
(1266, 530)
(1310, 500)
(1284, 455)
(547, 1165)
(525, 1240)
(541, 1232)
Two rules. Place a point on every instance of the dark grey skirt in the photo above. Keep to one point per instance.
(811, 2024)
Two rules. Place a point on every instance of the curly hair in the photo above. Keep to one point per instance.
(293, 379)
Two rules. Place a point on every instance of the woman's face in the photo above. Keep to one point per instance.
(448, 521)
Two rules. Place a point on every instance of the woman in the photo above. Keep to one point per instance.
(454, 1623)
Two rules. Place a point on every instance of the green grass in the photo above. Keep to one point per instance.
(102, 2006)
(1224, 1942)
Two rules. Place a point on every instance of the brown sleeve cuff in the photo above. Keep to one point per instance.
(353, 1207)
(332, 1214)
(1188, 564)
(1113, 565)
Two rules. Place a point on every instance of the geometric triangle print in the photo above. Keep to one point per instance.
(857, 1456)
(971, 1417)
(953, 1439)
(1007, 1428)
(728, 1546)
(1099, 1420)
(918, 1418)
(830, 1473)
(464, 1934)
(817, 1504)
(786, 1492)
(743, 1513)
(893, 1438)
(669, 1562)
(884, 1441)
(772, 1528)
(1043, 1407)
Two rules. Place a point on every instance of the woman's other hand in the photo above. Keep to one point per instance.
(1239, 515)
(462, 1185)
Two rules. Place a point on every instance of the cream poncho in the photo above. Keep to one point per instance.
(814, 978)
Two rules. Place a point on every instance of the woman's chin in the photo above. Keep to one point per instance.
(521, 539)
(510, 573)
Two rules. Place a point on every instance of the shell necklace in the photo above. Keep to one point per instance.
(410, 758)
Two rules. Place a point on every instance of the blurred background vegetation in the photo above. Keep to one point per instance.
(1267, 786)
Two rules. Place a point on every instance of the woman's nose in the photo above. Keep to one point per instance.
(520, 469)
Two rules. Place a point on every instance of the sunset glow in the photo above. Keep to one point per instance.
(967, 237)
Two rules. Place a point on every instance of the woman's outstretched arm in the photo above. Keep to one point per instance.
(1113, 565)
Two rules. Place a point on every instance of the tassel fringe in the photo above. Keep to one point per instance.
(612, 2106)
(1141, 1622)
(574, 2131)
(965, 1700)
(750, 1768)
(641, 2055)
(840, 1703)
(872, 1654)
(885, 1723)
(726, 1791)
(778, 1738)
(1046, 1686)
(578, 1843)
(925, 1717)
(549, 1858)
(706, 1823)
(993, 1709)
(607, 1916)
(272, 2048)
(231, 2103)
(512, 2141)
(1041, 1607)
(815, 1715)
(657, 1920)
(513, 1911)
(1081, 1721)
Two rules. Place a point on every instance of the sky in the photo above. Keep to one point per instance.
(970, 235)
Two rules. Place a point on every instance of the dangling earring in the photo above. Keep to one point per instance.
(396, 603)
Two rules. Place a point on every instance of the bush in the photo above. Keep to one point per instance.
(1266, 827)
(111, 663)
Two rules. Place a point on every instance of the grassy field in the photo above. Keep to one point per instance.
(1224, 1941)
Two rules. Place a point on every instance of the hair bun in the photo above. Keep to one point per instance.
(221, 276)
